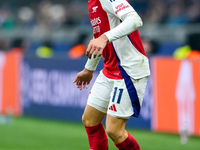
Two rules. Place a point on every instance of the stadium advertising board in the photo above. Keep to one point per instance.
(176, 95)
(10, 64)
(48, 91)
(44, 88)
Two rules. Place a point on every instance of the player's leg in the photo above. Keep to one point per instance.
(115, 128)
(92, 116)
(96, 134)
(126, 99)
(94, 113)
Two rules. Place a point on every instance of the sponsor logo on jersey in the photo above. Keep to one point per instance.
(121, 7)
(95, 21)
(96, 29)
(94, 9)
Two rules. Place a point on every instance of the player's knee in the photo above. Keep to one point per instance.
(84, 120)
(112, 133)
(116, 134)
(87, 121)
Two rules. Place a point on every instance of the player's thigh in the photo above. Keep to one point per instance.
(114, 124)
(99, 96)
(120, 104)
(92, 116)
(126, 97)
(98, 100)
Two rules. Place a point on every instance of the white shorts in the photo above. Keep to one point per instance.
(118, 98)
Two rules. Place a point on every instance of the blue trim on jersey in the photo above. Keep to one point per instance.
(130, 39)
(130, 88)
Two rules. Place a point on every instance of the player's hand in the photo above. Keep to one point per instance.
(83, 78)
(96, 46)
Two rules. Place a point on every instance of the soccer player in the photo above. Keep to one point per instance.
(119, 88)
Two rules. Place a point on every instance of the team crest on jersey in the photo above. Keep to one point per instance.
(94, 9)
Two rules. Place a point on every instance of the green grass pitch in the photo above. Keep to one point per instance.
(35, 134)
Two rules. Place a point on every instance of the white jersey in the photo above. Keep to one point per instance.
(124, 54)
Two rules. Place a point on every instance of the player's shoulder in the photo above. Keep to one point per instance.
(108, 4)
(116, 7)
(113, 1)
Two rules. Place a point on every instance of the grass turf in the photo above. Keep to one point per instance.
(35, 134)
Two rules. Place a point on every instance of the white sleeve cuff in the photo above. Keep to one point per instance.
(92, 63)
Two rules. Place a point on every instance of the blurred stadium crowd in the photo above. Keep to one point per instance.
(54, 14)
(44, 16)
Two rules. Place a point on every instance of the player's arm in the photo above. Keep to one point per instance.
(96, 46)
(130, 20)
(130, 23)
(83, 78)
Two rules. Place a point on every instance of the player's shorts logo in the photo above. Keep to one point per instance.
(113, 107)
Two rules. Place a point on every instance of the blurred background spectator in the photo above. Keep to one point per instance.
(45, 50)
(20, 45)
(151, 47)
(4, 44)
(191, 49)
(166, 22)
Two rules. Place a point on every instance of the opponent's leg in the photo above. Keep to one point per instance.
(96, 134)
(115, 128)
